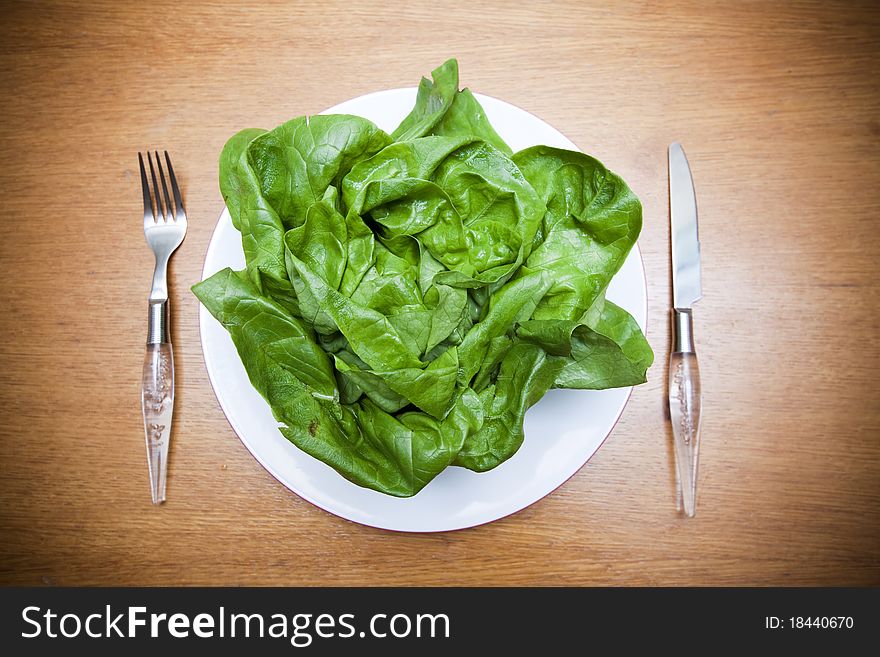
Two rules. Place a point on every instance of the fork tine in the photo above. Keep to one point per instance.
(174, 188)
(172, 211)
(160, 213)
(145, 186)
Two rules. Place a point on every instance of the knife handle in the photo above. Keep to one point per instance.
(158, 397)
(685, 401)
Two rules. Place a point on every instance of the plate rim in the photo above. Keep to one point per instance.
(205, 316)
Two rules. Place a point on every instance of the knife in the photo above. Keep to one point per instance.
(685, 393)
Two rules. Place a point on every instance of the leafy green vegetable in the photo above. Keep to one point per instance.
(434, 99)
(591, 223)
(408, 297)
(465, 117)
(526, 373)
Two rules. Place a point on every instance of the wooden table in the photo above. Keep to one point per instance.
(779, 109)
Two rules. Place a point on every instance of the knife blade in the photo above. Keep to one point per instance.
(686, 286)
(685, 390)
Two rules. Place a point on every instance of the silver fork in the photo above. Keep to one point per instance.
(164, 229)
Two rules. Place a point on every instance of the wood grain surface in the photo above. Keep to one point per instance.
(778, 106)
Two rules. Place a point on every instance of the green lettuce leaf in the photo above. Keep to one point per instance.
(434, 98)
(466, 118)
(591, 224)
(609, 351)
(526, 373)
(299, 160)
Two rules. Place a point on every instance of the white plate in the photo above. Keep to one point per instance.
(562, 431)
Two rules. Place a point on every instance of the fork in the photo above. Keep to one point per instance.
(164, 229)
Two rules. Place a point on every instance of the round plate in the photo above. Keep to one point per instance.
(563, 430)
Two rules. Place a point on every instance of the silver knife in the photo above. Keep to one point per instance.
(685, 392)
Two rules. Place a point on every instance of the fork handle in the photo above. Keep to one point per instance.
(157, 323)
(158, 397)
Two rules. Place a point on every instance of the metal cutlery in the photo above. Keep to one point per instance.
(685, 391)
(164, 228)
